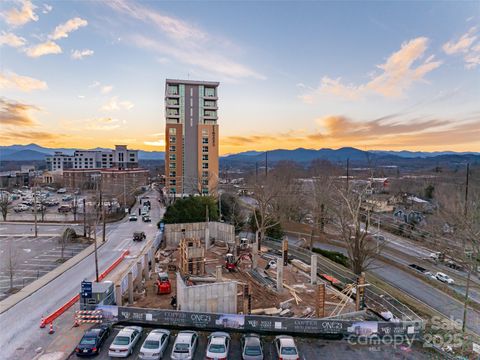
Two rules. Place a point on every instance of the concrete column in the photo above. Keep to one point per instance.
(154, 260)
(218, 273)
(313, 269)
(139, 273)
(320, 302)
(279, 274)
(130, 288)
(118, 295)
(255, 256)
(207, 237)
(145, 266)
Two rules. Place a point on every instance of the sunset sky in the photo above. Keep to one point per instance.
(372, 75)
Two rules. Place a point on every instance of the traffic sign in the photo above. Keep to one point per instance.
(86, 289)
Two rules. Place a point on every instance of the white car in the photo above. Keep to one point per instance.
(154, 345)
(285, 348)
(185, 345)
(444, 278)
(218, 346)
(125, 341)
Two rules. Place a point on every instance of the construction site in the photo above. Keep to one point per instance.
(204, 267)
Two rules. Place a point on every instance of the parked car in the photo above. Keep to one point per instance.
(64, 209)
(146, 218)
(218, 346)
(125, 341)
(154, 345)
(139, 236)
(20, 208)
(252, 347)
(39, 207)
(132, 218)
(92, 340)
(67, 198)
(285, 348)
(61, 191)
(444, 278)
(185, 345)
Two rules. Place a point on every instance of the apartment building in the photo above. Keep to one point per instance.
(191, 137)
(119, 158)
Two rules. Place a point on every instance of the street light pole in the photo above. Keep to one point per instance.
(35, 208)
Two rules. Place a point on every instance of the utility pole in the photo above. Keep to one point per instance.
(103, 210)
(466, 191)
(348, 166)
(84, 219)
(95, 237)
(467, 288)
(124, 191)
(220, 205)
(35, 208)
(266, 163)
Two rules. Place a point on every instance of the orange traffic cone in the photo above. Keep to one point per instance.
(42, 323)
(51, 331)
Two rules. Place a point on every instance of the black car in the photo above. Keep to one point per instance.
(93, 340)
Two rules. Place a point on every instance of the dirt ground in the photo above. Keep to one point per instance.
(263, 297)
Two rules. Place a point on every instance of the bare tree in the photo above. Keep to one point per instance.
(4, 205)
(12, 262)
(353, 221)
(66, 237)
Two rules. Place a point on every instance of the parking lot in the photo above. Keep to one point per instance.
(50, 204)
(29, 258)
(309, 349)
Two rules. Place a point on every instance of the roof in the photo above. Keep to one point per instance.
(184, 336)
(252, 340)
(191, 82)
(287, 341)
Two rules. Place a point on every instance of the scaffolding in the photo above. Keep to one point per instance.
(192, 257)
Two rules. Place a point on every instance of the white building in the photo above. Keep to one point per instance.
(120, 158)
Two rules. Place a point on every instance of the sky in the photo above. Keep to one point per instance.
(314, 74)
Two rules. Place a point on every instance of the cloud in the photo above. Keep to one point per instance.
(62, 30)
(462, 44)
(101, 124)
(18, 17)
(46, 48)
(113, 104)
(94, 84)
(465, 46)
(106, 89)
(10, 80)
(13, 113)
(21, 136)
(80, 54)
(47, 8)
(160, 142)
(388, 132)
(401, 70)
(185, 42)
(12, 40)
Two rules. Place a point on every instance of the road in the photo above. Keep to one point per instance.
(22, 320)
(426, 293)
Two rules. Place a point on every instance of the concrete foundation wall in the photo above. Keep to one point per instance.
(218, 297)
(217, 230)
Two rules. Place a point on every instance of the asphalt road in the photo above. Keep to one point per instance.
(309, 349)
(22, 320)
(419, 289)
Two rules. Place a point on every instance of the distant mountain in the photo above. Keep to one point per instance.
(423, 154)
(37, 152)
(23, 155)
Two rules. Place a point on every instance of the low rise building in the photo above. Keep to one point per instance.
(120, 158)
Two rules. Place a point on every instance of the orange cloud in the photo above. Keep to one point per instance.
(13, 113)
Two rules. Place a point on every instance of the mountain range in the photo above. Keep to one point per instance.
(33, 152)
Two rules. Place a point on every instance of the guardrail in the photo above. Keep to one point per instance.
(49, 318)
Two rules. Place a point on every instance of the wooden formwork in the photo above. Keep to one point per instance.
(192, 257)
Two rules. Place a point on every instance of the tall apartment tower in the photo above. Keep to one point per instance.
(191, 137)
